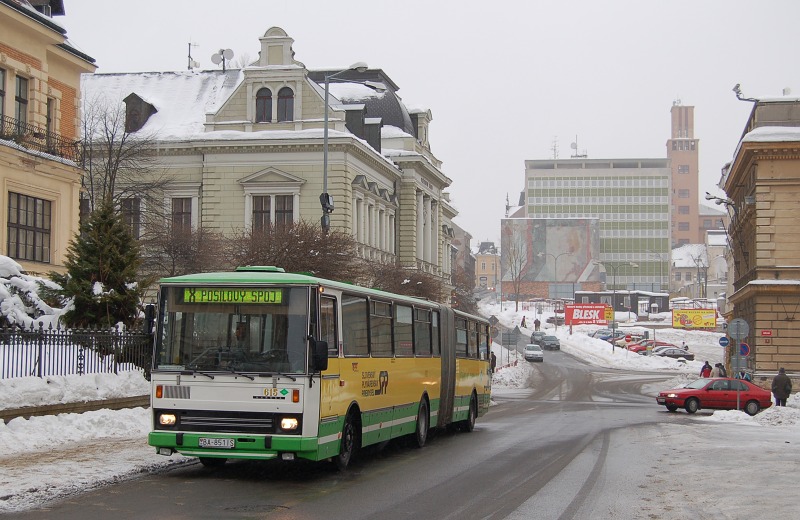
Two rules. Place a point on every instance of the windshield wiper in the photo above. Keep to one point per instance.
(194, 371)
(248, 376)
(273, 374)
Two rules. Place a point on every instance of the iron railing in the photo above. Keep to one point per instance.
(36, 138)
(41, 352)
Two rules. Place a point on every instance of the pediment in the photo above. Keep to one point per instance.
(271, 177)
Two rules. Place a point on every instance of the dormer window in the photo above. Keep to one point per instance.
(285, 104)
(137, 112)
(263, 105)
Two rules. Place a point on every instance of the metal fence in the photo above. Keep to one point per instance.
(41, 352)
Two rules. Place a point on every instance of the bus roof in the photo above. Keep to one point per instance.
(273, 275)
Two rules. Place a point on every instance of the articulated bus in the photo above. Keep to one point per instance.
(261, 364)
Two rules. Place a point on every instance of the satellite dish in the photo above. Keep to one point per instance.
(574, 146)
(227, 54)
(216, 59)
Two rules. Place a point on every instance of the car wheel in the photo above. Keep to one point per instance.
(349, 443)
(468, 424)
(672, 407)
(692, 405)
(421, 434)
(751, 408)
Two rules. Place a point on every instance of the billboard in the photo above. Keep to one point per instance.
(549, 249)
(586, 314)
(694, 318)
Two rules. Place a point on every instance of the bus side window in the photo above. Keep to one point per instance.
(355, 333)
(327, 321)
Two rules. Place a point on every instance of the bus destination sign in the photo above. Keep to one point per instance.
(231, 295)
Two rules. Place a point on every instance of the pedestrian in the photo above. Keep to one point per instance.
(523, 325)
(536, 324)
(715, 371)
(684, 346)
(494, 362)
(722, 371)
(706, 370)
(744, 375)
(781, 387)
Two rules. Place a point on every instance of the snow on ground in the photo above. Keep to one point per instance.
(106, 446)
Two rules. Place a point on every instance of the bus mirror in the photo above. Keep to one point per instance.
(319, 355)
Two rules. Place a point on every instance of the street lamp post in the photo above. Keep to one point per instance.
(325, 199)
(555, 271)
(660, 269)
(614, 268)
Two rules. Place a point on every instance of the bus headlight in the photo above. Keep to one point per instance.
(167, 419)
(289, 423)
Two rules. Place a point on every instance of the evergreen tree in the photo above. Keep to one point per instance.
(102, 262)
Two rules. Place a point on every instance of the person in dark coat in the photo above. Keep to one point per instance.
(493, 362)
(781, 387)
(536, 324)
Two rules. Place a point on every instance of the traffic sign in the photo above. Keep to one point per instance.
(738, 328)
(744, 349)
(724, 341)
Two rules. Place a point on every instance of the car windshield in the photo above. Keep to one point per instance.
(698, 384)
(533, 347)
(239, 329)
(551, 338)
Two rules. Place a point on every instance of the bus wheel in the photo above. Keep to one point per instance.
(212, 462)
(349, 443)
(468, 424)
(421, 435)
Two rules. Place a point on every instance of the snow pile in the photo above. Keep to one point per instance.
(20, 303)
(36, 391)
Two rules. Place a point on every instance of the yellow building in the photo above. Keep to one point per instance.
(763, 185)
(40, 175)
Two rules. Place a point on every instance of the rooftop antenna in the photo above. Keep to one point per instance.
(221, 57)
(192, 64)
(575, 154)
(554, 147)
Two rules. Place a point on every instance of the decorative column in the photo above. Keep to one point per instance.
(427, 233)
(420, 226)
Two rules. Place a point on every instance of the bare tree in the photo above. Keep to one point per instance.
(118, 164)
(514, 259)
(171, 250)
(394, 278)
(462, 292)
(298, 247)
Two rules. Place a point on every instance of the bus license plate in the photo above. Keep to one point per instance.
(216, 443)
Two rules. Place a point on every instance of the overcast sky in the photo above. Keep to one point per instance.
(505, 80)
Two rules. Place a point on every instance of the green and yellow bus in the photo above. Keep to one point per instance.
(258, 363)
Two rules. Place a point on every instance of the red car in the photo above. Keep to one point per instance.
(718, 393)
(645, 343)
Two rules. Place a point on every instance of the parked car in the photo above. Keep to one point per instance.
(551, 343)
(674, 353)
(556, 319)
(643, 345)
(599, 332)
(716, 393)
(536, 337)
(533, 352)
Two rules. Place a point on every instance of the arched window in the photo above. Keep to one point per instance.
(285, 104)
(263, 105)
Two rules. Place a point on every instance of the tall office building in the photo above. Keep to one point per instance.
(630, 198)
(682, 152)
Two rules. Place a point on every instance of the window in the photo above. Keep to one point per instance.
(380, 329)
(261, 214)
(688, 276)
(677, 277)
(28, 228)
(683, 210)
(683, 194)
(683, 226)
(263, 207)
(285, 104)
(284, 209)
(354, 325)
(327, 325)
(422, 332)
(403, 331)
(683, 168)
(131, 215)
(707, 224)
(182, 214)
(21, 101)
(461, 337)
(435, 333)
(263, 105)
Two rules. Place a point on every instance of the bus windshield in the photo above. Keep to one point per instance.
(233, 329)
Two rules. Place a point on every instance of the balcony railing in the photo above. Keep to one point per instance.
(35, 138)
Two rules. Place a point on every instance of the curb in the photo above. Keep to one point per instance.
(88, 406)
